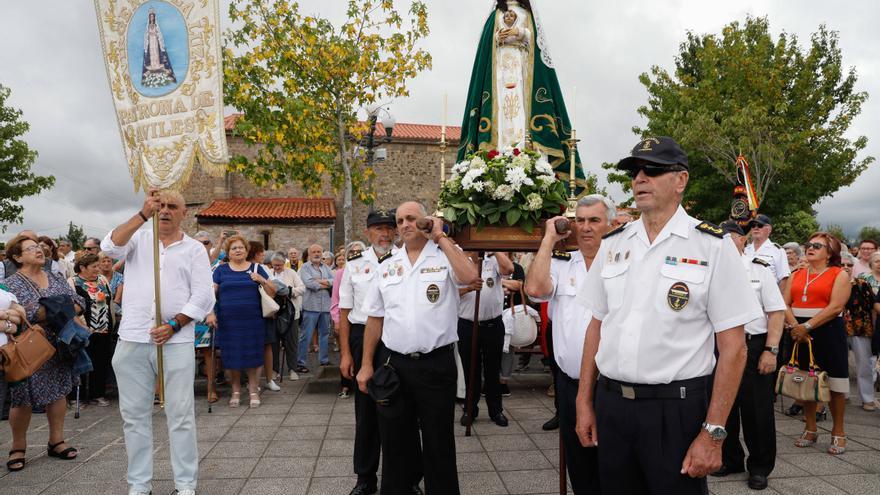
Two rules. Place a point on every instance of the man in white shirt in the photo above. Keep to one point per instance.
(754, 401)
(187, 296)
(762, 247)
(414, 310)
(556, 277)
(664, 290)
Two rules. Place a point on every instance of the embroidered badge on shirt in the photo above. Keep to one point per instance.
(433, 293)
(432, 269)
(490, 282)
(678, 296)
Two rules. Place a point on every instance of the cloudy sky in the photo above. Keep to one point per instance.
(51, 59)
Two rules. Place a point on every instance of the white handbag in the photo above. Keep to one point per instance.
(270, 307)
(521, 325)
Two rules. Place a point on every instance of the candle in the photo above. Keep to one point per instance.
(574, 105)
(445, 104)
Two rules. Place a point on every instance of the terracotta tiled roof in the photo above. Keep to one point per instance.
(271, 209)
(402, 131)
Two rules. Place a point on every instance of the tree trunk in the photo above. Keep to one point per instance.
(346, 170)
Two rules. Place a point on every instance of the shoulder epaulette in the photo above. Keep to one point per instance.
(761, 262)
(561, 255)
(384, 257)
(711, 229)
(616, 231)
(777, 246)
(354, 256)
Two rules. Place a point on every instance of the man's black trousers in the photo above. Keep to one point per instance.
(754, 407)
(490, 338)
(366, 432)
(581, 462)
(427, 394)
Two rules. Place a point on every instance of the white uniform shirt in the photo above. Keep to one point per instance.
(419, 301)
(357, 277)
(491, 295)
(185, 282)
(661, 303)
(773, 254)
(6, 300)
(766, 290)
(570, 316)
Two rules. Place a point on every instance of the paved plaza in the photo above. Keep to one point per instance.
(299, 443)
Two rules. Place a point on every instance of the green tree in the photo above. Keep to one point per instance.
(794, 227)
(76, 236)
(16, 158)
(300, 81)
(786, 108)
(869, 232)
(837, 231)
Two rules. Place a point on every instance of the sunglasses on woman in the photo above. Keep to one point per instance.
(652, 170)
(815, 245)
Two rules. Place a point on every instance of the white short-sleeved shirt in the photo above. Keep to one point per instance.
(773, 254)
(359, 274)
(766, 290)
(491, 295)
(570, 317)
(419, 302)
(6, 300)
(660, 304)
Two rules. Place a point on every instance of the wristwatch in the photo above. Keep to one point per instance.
(716, 432)
(807, 326)
(772, 349)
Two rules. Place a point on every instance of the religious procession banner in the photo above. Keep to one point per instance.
(165, 72)
(514, 91)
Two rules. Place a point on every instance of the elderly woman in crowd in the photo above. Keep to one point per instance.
(95, 291)
(50, 251)
(816, 296)
(256, 255)
(872, 276)
(860, 330)
(793, 254)
(114, 278)
(49, 385)
(240, 326)
(296, 288)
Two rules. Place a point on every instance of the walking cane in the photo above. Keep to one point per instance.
(472, 372)
(160, 361)
(76, 413)
(213, 373)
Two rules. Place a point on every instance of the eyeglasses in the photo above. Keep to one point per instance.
(95, 248)
(653, 170)
(847, 265)
(206, 243)
(32, 249)
(815, 245)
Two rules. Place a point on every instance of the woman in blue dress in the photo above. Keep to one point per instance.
(240, 332)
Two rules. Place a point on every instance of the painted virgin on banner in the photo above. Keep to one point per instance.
(164, 68)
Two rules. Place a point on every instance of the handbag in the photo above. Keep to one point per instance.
(268, 304)
(525, 328)
(384, 389)
(24, 354)
(809, 385)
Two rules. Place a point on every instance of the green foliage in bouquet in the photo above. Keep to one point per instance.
(514, 188)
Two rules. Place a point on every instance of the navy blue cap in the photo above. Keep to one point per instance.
(731, 227)
(762, 220)
(656, 150)
(381, 217)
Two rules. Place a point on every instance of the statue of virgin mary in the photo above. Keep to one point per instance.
(514, 92)
(157, 70)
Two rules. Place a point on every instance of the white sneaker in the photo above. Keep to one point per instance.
(134, 492)
(271, 385)
(293, 376)
(184, 492)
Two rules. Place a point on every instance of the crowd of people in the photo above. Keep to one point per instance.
(664, 335)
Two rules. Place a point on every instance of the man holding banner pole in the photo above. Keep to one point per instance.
(186, 295)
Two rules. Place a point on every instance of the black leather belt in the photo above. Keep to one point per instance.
(758, 336)
(679, 389)
(423, 355)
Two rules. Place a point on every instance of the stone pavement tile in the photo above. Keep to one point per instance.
(214, 469)
(163, 450)
(790, 427)
(315, 399)
(473, 461)
(219, 408)
(342, 418)
(37, 471)
(736, 488)
(99, 437)
(856, 484)
(785, 469)
(307, 419)
(337, 448)
(312, 408)
(276, 486)
(820, 464)
(280, 467)
(866, 461)
(468, 444)
(548, 440)
(515, 461)
(486, 427)
(215, 420)
(109, 452)
(300, 433)
(533, 425)
(340, 431)
(516, 402)
(253, 448)
(267, 409)
(871, 443)
(527, 482)
(481, 483)
(23, 490)
(209, 487)
(247, 433)
(260, 420)
(332, 486)
(866, 431)
(506, 443)
(552, 456)
(94, 471)
(529, 413)
(207, 434)
(293, 448)
(334, 466)
(87, 488)
(738, 477)
(803, 486)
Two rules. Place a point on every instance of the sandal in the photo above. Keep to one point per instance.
(255, 400)
(64, 454)
(804, 442)
(836, 448)
(301, 369)
(213, 397)
(16, 464)
(235, 400)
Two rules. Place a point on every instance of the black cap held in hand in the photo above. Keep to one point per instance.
(656, 150)
(731, 227)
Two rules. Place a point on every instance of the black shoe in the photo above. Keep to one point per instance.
(363, 489)
(757, 482)
(505, 390)
(724, 470)
(500, 419)
(465, 420)
(822, 415)
(552, 424)
(794, 410)
(416, 490)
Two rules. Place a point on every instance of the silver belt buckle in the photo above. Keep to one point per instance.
(628, 392)
(415, 355)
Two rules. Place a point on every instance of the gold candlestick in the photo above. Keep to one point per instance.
(572, 152)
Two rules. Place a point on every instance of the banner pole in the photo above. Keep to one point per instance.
(157, 293)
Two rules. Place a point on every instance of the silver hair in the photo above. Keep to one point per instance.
(794, 247)
(874, 256)
(847, 256)
(278, 257)
(591, 199)
(202, 233)
(354, 244)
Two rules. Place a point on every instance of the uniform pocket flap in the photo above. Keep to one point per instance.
(433, 276)
(614, 270)
(687, 273)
